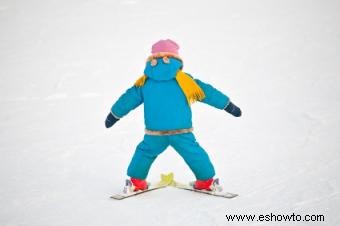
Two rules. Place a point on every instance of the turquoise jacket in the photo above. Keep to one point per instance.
(165, 105)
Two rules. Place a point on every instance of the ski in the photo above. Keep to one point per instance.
(128, 190)
(124, 195)
(217, 190)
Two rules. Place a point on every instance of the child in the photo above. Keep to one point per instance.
(167, 93)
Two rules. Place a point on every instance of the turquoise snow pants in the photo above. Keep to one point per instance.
(185, 144)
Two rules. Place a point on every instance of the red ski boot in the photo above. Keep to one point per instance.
(204, 184)
(139, 184)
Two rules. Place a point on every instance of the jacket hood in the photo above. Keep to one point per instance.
(163, 71)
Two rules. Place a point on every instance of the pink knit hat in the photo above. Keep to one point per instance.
(165, 46)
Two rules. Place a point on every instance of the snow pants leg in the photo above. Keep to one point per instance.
(145, 154)
(194, 155)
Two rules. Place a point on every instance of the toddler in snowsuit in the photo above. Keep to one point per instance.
(167, 93)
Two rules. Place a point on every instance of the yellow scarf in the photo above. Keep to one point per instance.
(190, 88)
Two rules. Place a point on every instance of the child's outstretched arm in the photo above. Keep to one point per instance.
(217, 99)
(131, 99)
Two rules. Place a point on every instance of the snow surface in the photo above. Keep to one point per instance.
(64, 63)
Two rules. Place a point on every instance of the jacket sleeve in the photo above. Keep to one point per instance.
(213, 97)
(131, 99)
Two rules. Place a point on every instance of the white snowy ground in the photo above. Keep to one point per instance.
(64, 63)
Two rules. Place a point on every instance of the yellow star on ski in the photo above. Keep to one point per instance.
(167, 179)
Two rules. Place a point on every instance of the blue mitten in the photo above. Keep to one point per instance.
(110, 120)
(233, 109)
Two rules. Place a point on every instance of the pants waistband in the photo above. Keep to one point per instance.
(167, 132)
